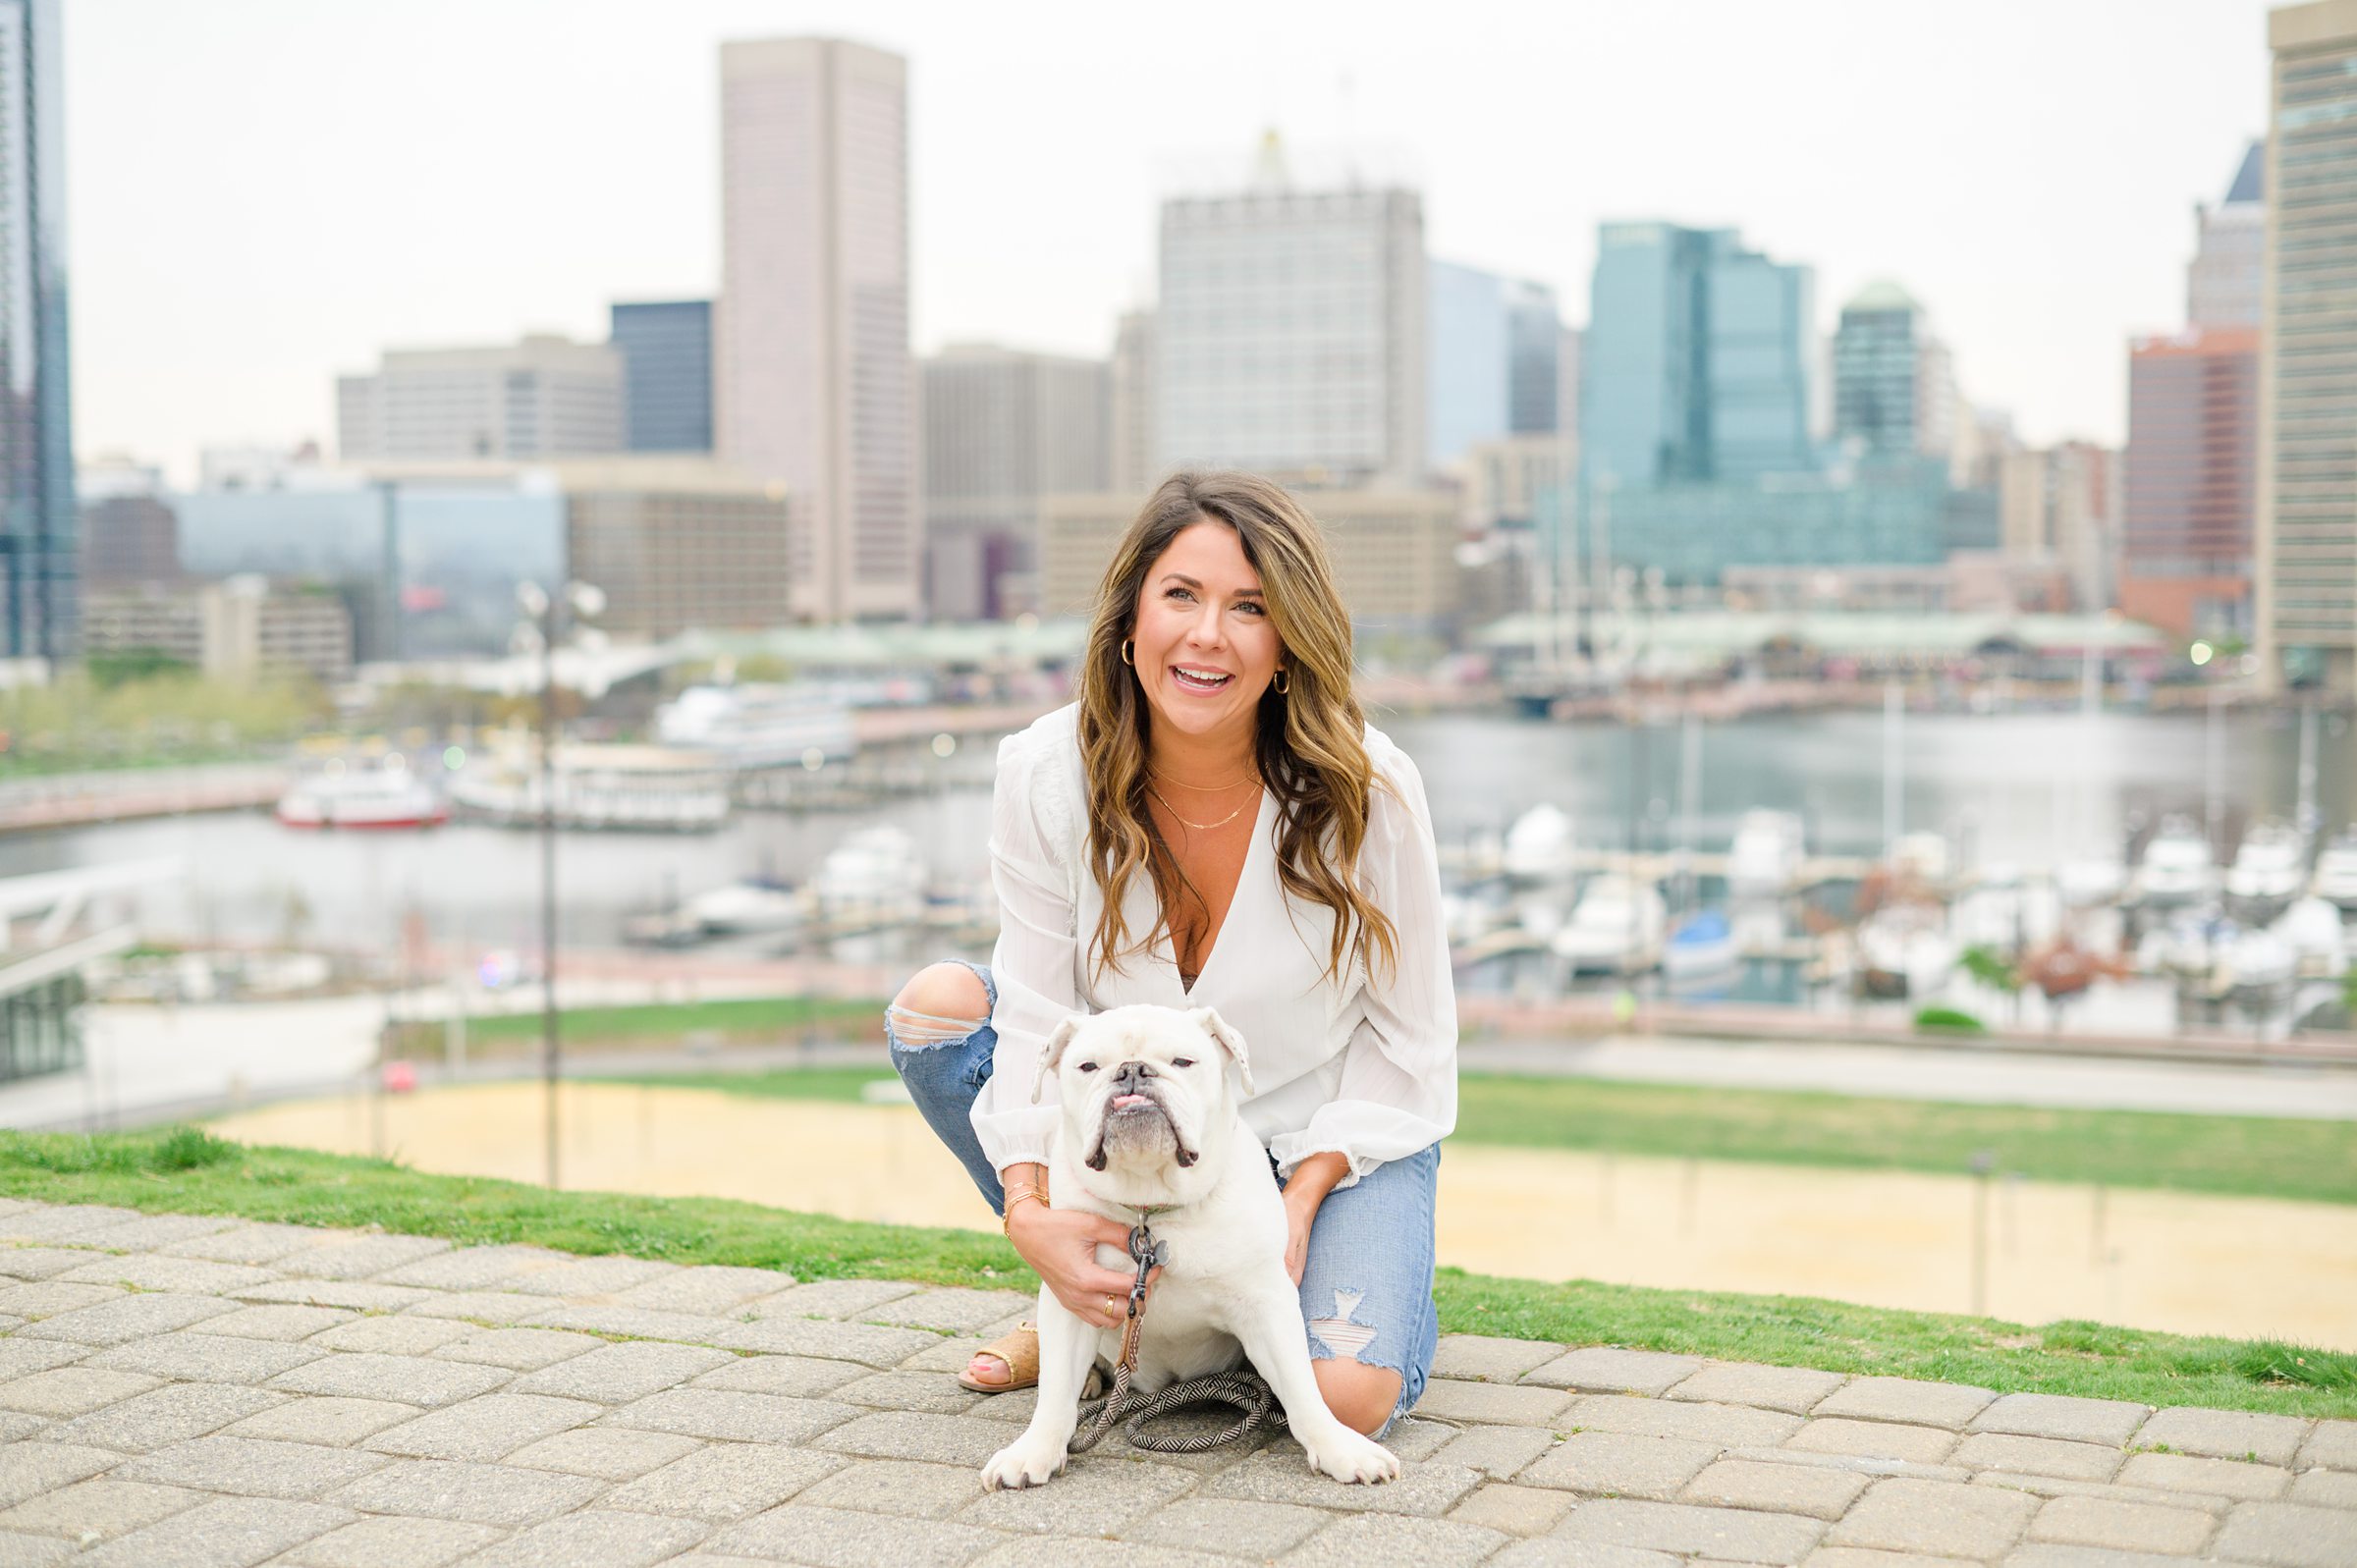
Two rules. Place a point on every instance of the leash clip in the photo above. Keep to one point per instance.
(1149, 1255)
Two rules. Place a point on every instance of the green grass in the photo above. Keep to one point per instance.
(186, 1170)
(763, 1018)
(2243, 1155)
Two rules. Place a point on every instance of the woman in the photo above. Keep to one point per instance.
(1213, 825)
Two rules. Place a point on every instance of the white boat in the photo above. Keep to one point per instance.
(2254, 968)
(1766, 857)
(874, 874)
(1538, 846)
(386, 796)
(1702, 945)
(2086, 882)
(1616, 928)
(2177, 868)
(2336, 878)
(745, 907)
(756, 726)
(2267, 873)
(600, 787)
(2312, 929)
(1920, 859)
(1904, 951)
(2186, 949)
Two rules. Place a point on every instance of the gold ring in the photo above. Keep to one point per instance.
(1108, 1306)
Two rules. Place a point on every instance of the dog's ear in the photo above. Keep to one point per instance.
(1052, 1053)
(1223, 1034)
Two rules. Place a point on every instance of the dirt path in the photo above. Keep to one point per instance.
(2180, 1262)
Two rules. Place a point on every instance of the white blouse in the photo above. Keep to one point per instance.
(1364, 1069)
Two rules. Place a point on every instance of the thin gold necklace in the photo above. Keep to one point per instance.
(1205, 789)
(1201, 827)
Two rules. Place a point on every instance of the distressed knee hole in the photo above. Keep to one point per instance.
(919, 1031)
(1340, 1334)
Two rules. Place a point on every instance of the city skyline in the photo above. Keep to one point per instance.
(228, 272)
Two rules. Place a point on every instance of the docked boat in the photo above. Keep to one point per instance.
(1616, 928)
(2255, 969)
(1538, 846)
(756, 726)
(2089, 882)
(875, 874)
(2177, 868)
(2336, 878)
(386, 796)
(1766, 857)
(599, 789)
(2319, 945)
(2267, 871)
(1702, 947)
(1903, 950)
(746, 907)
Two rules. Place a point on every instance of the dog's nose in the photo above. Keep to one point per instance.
(1131, 1073)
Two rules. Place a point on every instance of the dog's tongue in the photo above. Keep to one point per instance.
(1122, 1100)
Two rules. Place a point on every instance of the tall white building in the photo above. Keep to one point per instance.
(1003, 428)
(2306, 557)
(545, 397)
(813, 381)
(1291, 333)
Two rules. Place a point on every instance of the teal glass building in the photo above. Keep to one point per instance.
(39, 549)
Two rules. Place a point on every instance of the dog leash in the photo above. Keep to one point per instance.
(1246, 1390)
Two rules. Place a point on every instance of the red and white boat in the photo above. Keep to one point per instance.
(381, 797)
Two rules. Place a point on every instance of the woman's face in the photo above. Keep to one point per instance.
(1205, 647)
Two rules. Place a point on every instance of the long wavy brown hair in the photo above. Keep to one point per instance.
(1310, 745)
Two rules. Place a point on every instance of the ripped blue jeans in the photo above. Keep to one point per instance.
(1366, 1288)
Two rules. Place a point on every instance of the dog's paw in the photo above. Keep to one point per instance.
(1350, 1458)
(1022, 1464)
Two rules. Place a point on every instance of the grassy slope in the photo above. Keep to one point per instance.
(2245, 1156)
(183, 1170)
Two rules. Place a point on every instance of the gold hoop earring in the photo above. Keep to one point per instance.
(1282, 682)
(1126, 659)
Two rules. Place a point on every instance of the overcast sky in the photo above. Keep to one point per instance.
(265, 192)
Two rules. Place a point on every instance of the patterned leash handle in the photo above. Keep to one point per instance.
(1246, 1390)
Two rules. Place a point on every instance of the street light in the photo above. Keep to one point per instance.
(547, 617)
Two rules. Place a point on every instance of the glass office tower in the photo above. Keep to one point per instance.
(39, 568)
(666, 350)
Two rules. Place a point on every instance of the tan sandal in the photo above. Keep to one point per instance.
(1019, 1350)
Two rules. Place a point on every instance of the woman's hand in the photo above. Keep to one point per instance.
(1305, 1192)
(1060, 1245)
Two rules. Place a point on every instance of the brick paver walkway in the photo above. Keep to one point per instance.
(179, 1389)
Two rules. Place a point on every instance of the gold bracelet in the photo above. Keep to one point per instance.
(1006, 1214)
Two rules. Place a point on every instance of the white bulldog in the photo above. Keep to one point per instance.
(1150, 1121)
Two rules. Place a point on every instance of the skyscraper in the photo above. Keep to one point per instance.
(2191, 472)
(666, 351)
(1894, 391)
(2307, 545)
(1696, 359)
(1467, 345)
(1003, 428)
(814, 383)
(1290, 332)
(1534, 353)
(2229, 258)
(545, 397)
(1492, 350)
(39, 550)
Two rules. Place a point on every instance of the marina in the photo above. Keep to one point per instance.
(2097, 873)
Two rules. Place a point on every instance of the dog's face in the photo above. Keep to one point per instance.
(1145, 1089)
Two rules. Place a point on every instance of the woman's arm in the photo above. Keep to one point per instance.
(1032, 964)
(1398, 1093)
(1312, 1179)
